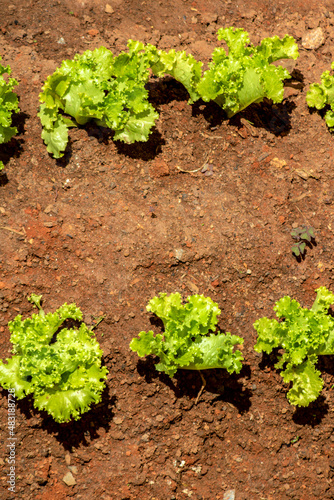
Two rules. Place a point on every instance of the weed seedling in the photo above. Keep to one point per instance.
(302, 235)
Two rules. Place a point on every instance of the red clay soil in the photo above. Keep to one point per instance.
(111, 225)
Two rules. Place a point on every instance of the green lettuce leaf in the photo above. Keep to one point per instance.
(186, 342)
(8, 105)
(304, 334)
(181, 66)
(306, 383)
(98, 86)
(246, 74)
(59, 367)
(321, 95)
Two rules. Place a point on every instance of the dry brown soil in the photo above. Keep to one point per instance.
(112, 225)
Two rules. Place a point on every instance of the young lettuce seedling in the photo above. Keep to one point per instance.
(8, 106)
(186, 342)
(304, 334)
(59, 367)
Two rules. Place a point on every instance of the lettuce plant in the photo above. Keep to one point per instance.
(8, 106)
(321, 95)
(59, 367)
(246, 74)
(304, 334)
(186, 342)
(98, 86)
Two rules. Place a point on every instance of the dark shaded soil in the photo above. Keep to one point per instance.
(112, 225)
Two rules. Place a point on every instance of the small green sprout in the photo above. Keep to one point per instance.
(302, 235)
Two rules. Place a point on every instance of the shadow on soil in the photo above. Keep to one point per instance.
(165, 90)
(14, 147)
(139, 150)
(142, 150)
(219, 383)
(313, 414)
(272, 117)
(76, 432)
(275, 118)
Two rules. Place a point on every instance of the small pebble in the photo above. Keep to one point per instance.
(69, 479)
(229, 495)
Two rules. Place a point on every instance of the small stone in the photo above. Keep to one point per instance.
(229, 495)
(118, 420)
(313, 39)
(68, 459)
(248, 13)
(119, 436)
(93, 32)
(159, 168)
(138, 480)
(277, 163)
(48, 209)
(209, 18)
(178, 252)
(50, 223)
(61, 41)
(69, 479)
(109, 9)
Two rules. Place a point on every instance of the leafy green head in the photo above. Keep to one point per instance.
(186, 341)
(304, 334)
(59, 366)
(245, 74)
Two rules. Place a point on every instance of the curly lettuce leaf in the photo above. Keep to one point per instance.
(60, 368)
(185, 343)
(8, 105)
(246, 74)
(98, 86)
(304, 334)
(181, 66)
(217, 352)
(321, 95)
(71, 403)
(41, 327)
(306, 381)
(11, 378)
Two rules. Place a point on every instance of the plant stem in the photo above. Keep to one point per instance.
(202, 388)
